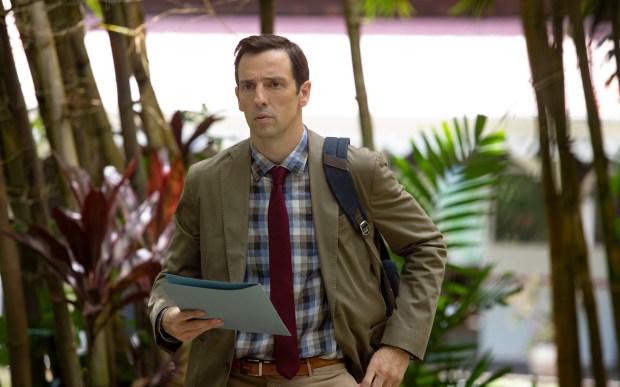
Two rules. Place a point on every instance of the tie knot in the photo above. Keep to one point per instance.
(278, 174)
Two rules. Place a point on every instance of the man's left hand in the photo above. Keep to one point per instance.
(387, 367)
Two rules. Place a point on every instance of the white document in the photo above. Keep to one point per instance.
(242, 306)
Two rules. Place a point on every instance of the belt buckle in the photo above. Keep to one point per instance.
(249, 369)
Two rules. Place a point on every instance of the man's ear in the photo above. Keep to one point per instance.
(304, 93)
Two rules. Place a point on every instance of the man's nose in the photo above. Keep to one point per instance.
(260, 97)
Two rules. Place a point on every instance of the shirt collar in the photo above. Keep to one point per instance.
(295, 162)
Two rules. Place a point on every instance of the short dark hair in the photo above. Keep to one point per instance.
(256, 44)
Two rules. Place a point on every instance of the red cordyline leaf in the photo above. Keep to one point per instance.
(176, 124)
(156, 173)
(96, 219)
(202, 129)
(78, 179)
(134, 227)
(70, 225)
(56, 255)
(174, 183)
(146, 269)
(115, 188)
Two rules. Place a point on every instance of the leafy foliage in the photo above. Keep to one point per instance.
(375, 8)
(473, 7)
(190, 148)
(109, 251)
(97, 254)
(101, 252)
(452, 173)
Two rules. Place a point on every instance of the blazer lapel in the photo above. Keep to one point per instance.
(235, 196)
(325, 215)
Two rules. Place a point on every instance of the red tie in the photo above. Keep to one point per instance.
(286, 350)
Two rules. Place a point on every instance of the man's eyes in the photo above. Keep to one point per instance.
(270, 84)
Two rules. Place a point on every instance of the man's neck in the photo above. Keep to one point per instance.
(278, 149)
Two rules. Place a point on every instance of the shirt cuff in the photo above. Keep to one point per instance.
(160, 329)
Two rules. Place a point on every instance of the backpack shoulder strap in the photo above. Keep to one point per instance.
(341, 183)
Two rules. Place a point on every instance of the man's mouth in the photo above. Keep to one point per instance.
(262, 117)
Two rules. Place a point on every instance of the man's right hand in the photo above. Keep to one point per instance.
(186, 326)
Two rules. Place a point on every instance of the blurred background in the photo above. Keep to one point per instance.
(500, 117)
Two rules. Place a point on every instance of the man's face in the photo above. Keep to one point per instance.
(267, 95)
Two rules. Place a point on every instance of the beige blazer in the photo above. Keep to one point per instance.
(210, 241)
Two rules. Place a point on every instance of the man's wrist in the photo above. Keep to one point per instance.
(160, 328)
(411, 356)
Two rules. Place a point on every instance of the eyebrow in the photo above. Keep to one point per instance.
(272, 78)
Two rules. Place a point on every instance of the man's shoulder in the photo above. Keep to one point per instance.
(362, 160)
(221, 157)
(358, 158)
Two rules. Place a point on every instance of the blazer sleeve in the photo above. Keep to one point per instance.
(182, 257)
(411, 234)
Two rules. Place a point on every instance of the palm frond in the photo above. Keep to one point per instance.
(452, 172)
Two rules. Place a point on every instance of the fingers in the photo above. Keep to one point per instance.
(386, 368)
(187, 325)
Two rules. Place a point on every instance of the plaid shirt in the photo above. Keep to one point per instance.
(315, 329)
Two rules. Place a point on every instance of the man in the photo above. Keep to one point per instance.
(223, 226)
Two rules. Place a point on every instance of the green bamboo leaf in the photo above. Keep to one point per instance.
(454, 348)
(435, 160)
(461, 245)
(452, 229)
(479, 126)
(470, 185)
(459, 136)
(496, 375)
(479, 368)
(95, 8)
(458, 201)
(461, 216)
(426, 168)
(467, 137)
(451, 146)
(414, 185)
(387, 8)
(473, 7)
(119, 29)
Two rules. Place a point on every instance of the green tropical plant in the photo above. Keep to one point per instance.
(450, 363)
(452, 173)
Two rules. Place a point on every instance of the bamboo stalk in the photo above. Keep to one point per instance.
(10, 272)
(113, 16)
(158, 132)
(547, 74)
(352, 16)
(604, 200)
(36, 195)
(267, 11)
